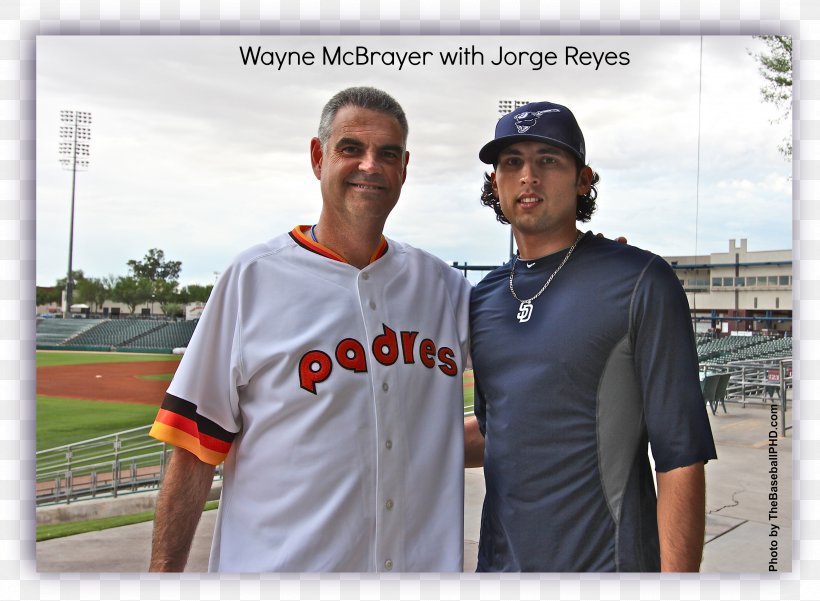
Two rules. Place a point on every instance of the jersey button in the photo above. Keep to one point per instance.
(388, 564)
(389, 504)
(373, 305)
(365, 276)
(385, 387)
(389, 444)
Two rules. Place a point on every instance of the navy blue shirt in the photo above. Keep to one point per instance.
(569, 400)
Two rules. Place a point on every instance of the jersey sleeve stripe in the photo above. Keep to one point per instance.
(179, 424)
(182, 439)
(189, 427)
(188, 410)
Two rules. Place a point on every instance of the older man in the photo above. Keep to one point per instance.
(326, 374)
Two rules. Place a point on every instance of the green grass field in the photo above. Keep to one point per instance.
(49, 358)
(63, 421)
(49, 531)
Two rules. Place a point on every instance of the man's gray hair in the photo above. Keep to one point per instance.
(362, 97)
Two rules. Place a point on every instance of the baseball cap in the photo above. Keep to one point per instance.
(539, 121)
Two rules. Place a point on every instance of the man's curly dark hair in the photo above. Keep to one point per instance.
(583, 212)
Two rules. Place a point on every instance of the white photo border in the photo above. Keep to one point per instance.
(21, 22)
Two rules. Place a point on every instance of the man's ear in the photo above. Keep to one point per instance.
(316, 157)
(584, 181)
(406, 161)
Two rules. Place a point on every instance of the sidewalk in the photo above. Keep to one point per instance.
(740, 534)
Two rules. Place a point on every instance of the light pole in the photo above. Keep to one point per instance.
(75, 153)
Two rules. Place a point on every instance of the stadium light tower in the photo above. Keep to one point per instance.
(75, 154)
(504, 107)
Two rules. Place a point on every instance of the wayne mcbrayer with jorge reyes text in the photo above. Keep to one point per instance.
(361, 56)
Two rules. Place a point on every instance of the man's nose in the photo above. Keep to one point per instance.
(368, 162)
(528, 175)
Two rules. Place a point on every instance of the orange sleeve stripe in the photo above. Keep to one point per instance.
(190, 428)
(182, 439)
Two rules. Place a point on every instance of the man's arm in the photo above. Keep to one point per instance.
(681, 517)
(179, 507)
(473, 443)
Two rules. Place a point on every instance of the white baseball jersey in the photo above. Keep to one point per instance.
(334, 397)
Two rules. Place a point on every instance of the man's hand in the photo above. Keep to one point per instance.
(473, 443)
(620, 239)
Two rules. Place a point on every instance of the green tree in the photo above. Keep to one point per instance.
(161, 273)
(776, 69)
(163, 292)
(154, 267)
(173, 309)
(195, 293)
(49, 294)
(92, 291)
(132, 291)
(77, 276)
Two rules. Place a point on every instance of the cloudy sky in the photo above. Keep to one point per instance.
(200, 155)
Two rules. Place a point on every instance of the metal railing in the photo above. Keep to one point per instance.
(759, 382)
(106, 466)
(131, 461)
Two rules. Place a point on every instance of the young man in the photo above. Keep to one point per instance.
(583, 353)
(333, 399)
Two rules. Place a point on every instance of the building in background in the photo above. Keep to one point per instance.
(738, 291)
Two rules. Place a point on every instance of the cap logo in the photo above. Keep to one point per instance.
(524, 121)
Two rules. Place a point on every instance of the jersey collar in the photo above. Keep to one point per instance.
(301, 235)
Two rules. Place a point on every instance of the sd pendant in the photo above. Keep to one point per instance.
(524, 311)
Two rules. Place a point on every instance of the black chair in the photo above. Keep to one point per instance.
(709, 387)
(721, 391)
(714, 390)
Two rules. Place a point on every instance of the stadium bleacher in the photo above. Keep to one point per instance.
(147, 335)
(171, 335)
(720, 351)
(116, 332)
(58, 331)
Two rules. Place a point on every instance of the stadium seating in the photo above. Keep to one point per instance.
(117, 332)
(715, 388)
(170, 336)
(720, 351)
(59, 331)
(148, 335)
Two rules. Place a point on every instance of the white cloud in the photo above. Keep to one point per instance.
(199, 155)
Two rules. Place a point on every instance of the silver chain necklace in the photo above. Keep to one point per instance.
(525, 308)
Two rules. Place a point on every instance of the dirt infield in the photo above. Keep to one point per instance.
(119, 382)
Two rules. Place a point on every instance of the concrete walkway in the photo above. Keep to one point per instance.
(745, 532)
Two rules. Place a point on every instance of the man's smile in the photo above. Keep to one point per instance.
(366, 186)
(528, 200)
